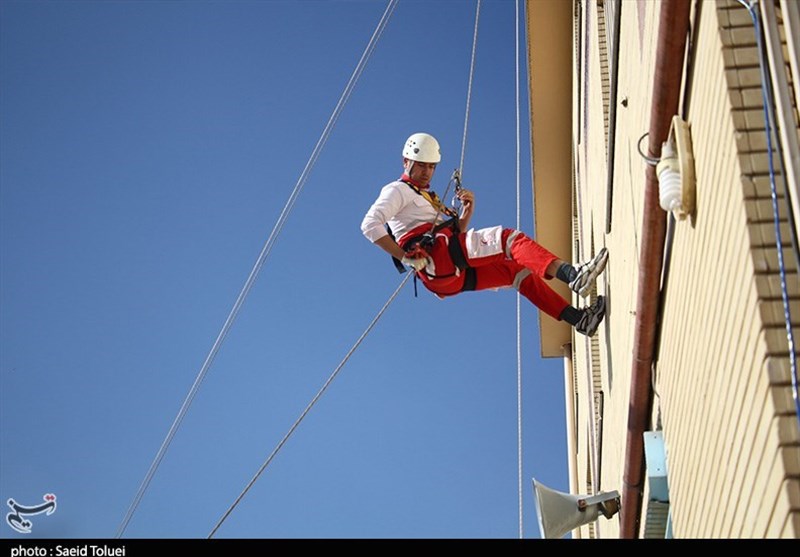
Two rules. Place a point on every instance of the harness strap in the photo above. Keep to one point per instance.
(433, 199)
(457, 254)
(460, 261)
(397, 263)
(427, 238)
(470, 279)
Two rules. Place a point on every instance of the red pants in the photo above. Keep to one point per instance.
(517, 262)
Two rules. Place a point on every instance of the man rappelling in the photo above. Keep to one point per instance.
(411, 223)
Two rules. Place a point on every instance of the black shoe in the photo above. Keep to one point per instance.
(592, 317)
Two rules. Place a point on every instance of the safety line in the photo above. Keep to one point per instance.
(469, 86)
(374, 321)
(519, 310)
(259, 263)
(310, 405)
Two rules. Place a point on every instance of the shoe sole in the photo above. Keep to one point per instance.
(599, 268)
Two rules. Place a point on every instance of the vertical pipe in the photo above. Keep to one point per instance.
(672, 34)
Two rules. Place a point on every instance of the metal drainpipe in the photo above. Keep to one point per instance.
(672, 32)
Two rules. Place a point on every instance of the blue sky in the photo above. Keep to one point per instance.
(147, 149)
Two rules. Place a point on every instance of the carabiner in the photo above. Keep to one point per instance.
(456, 179)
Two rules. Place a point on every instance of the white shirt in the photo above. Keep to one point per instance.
(399, 206)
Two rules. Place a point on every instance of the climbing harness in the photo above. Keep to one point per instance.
(427, 239)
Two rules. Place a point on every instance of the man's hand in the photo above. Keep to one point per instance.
(416, 257)
(467, 199)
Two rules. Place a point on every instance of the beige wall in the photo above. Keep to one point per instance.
(722, 384)
(619, 284)
(722, 418)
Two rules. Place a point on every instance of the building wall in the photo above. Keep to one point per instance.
(733, 471)
(614, 341)
(721, 382)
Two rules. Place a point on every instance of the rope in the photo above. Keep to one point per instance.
(310, 405)
(460, 173)
(469, 86)
(259, 263)
(380, 313)
(519, 310)
(377, 317)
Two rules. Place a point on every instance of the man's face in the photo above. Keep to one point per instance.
(421, 172)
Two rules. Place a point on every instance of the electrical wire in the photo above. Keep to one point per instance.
(767, 100)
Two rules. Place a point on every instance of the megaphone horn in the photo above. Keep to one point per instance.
(559, 513)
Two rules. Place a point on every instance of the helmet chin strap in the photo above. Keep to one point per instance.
(407, 170)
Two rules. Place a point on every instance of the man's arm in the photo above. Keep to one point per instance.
(387, 244)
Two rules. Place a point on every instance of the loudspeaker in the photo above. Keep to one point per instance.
(559, 513)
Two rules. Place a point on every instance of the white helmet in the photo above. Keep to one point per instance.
(422, 147)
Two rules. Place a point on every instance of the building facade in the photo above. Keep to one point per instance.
(680, 119)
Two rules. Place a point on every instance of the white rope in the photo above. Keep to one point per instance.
(374, 321)
(461, 171)
(259, 263)
(310, 405)
(519, 318)
(469, 87)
